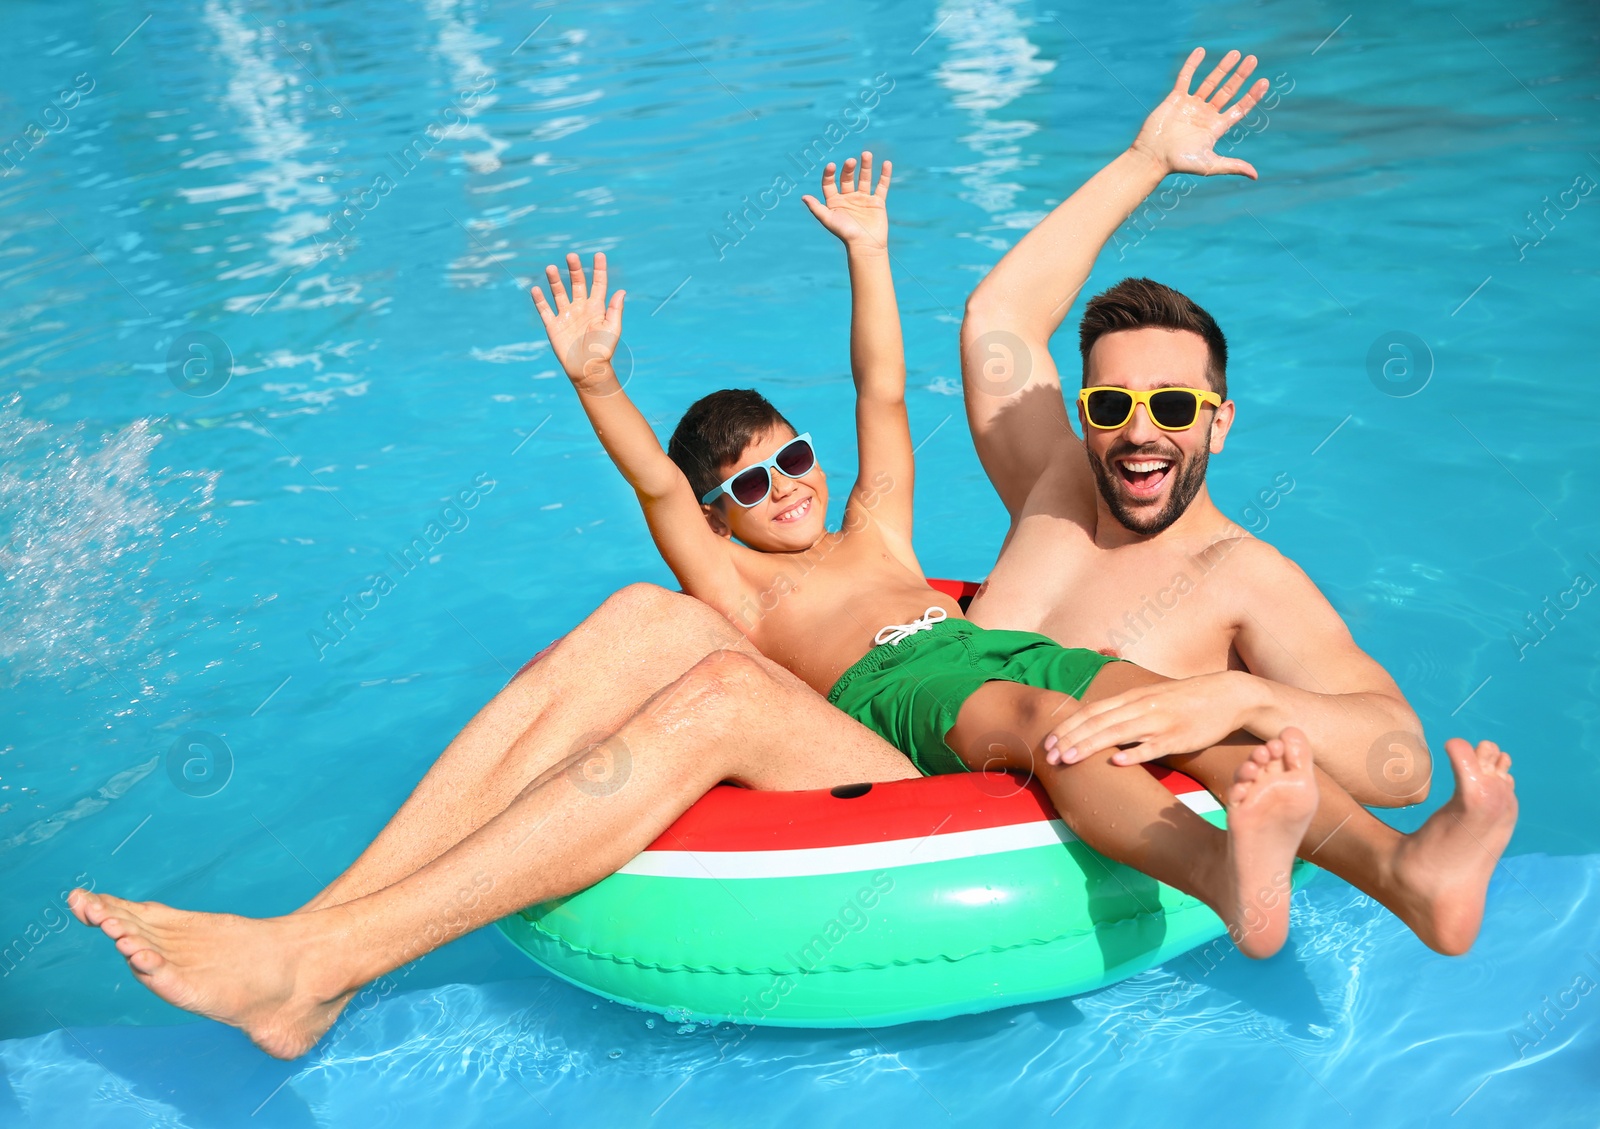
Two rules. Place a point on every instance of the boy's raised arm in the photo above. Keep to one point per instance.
(855, 211)
(1005, 358)
(584, 330)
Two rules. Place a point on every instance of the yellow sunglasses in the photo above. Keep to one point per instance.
(1170, 409)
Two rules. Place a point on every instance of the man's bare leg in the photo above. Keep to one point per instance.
(1435, 879)
(640, 640)
(284, 980)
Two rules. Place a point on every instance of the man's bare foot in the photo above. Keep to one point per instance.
(1441, 872)
(260, 976)
(1270, 805)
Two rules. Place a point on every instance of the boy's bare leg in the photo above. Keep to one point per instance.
(1435, 879)
(284, 980)
(1243, 874)
(589, 683)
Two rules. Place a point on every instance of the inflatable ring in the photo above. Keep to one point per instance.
(867, 904)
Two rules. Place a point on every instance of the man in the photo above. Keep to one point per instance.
(1115, 543)
(592, 751)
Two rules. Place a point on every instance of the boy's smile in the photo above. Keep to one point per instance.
(793, 512)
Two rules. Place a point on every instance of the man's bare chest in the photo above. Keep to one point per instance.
(1158, 605)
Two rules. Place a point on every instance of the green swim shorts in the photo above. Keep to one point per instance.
(910, 692)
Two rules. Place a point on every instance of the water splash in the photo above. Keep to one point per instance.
(84, 524)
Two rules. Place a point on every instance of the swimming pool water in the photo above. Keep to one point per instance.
(180, 527)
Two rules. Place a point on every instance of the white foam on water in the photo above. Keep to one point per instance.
(85, 520)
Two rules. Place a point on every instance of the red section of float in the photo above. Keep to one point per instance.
(960, 591)
(738, 819)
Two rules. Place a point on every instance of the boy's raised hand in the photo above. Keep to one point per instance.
(852, 209)
(1181, 132)
(583, 329)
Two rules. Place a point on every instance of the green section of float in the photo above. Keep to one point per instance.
(906, 943)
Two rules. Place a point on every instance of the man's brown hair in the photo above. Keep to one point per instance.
(1139, 303)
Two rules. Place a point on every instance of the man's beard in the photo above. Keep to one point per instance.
(1188, 475)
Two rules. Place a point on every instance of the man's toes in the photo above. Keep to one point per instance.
(113, 905)
(80, 902)
(146, 961)
(115, 928)
(130, 943)
(1246, 772)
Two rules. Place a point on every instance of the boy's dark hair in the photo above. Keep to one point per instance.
(1137, 303)
(715, 431)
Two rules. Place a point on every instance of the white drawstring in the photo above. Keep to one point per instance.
(895, 632)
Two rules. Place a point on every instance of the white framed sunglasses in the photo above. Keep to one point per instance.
(752, 485)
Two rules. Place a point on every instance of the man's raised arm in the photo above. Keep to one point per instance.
(1012, 388)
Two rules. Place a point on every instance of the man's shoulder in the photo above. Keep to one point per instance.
(1248, 560)
(1261, 580)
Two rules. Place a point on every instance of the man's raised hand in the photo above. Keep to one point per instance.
(583, 328)
(852, 209)
(1181, 132)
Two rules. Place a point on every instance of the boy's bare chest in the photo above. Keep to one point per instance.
(816, 613)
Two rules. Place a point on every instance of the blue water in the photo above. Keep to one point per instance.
(171, 552)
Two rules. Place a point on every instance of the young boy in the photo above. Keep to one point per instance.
(737, 508)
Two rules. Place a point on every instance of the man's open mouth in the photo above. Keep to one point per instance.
(1144, 476)
(793, 513)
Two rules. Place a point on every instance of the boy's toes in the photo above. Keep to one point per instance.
(1295, 747)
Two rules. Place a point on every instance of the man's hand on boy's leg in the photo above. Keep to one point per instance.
(583, 329)
(854, 209)
(1179, 134)
(1155, 719)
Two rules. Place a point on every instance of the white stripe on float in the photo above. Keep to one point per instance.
(808, 861)
(804, 861)
(1200, 801)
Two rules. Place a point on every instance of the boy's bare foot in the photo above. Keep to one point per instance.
(1270, 805)
(1441, 872)
(257, 975)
